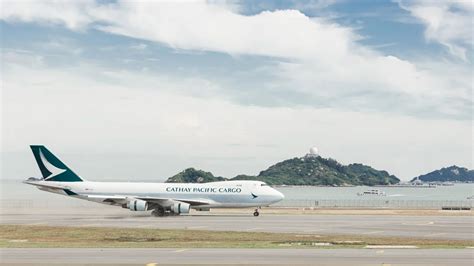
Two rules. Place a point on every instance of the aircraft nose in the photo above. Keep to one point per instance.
(279, 195)
(282, 196)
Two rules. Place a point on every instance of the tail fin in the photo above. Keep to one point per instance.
(51, 167)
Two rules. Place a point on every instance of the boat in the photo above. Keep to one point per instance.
(447, 184)
(370, 192)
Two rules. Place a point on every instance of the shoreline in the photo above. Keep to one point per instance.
(348, 211)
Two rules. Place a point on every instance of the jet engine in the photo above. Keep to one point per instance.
(137, 205)
(180, 207)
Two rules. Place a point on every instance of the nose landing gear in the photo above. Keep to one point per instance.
(256, 213)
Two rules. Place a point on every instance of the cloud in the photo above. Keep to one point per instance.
(321, 63)
(197, 26)
(447, 22)
(139, 46)
(323, 84)
(200, 26)
(72, 14)
(93, 110)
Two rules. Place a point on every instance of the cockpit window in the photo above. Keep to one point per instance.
(263, 185)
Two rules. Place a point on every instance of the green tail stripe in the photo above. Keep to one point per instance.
(69, 192)
(51, 167)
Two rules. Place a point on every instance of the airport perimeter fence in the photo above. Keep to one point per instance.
(349, 203)
(378, 203)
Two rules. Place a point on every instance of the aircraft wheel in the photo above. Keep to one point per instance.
(256, 213)
(158, 212)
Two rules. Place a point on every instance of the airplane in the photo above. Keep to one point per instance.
(163, 199)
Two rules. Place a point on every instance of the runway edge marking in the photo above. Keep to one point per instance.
(390, 247)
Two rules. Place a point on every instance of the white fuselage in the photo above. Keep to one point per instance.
(225, 194)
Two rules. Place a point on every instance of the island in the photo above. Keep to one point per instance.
(448, 174)
(310, 170)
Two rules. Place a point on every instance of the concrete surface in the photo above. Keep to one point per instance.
(236, 256)
(436, 227)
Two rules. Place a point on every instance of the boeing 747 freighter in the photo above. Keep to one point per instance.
(162, 198)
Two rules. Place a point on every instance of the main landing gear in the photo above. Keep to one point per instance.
(158, 212)
(256, 213)
(161, 212)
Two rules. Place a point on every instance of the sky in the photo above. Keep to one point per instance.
(140, 90)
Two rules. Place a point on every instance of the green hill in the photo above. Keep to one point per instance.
(192, 175)
(309, 170)
(318, 171)
(448, 174)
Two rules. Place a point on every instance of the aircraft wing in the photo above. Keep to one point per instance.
(120, 199)
(192, 202)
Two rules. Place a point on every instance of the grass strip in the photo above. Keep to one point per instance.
(31, 236)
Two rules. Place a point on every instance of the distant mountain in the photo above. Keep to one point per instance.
(192, 175)
(308, 170)
(448, 174)
(318, 171)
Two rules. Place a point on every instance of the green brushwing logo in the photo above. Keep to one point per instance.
(52, 169)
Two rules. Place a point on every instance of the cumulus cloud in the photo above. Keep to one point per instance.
(94, 110)
(319, 58)
(72, 14)
(201, 26)
(447, 22)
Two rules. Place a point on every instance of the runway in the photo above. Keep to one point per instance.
(431, 227)
(236, 256)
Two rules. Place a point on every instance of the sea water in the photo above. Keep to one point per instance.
(459, 191)
(16, 193)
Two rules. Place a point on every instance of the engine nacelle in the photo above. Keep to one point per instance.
(180, 207)
(137, 205)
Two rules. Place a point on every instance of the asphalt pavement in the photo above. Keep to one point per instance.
(434, 227)
(147, 256)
